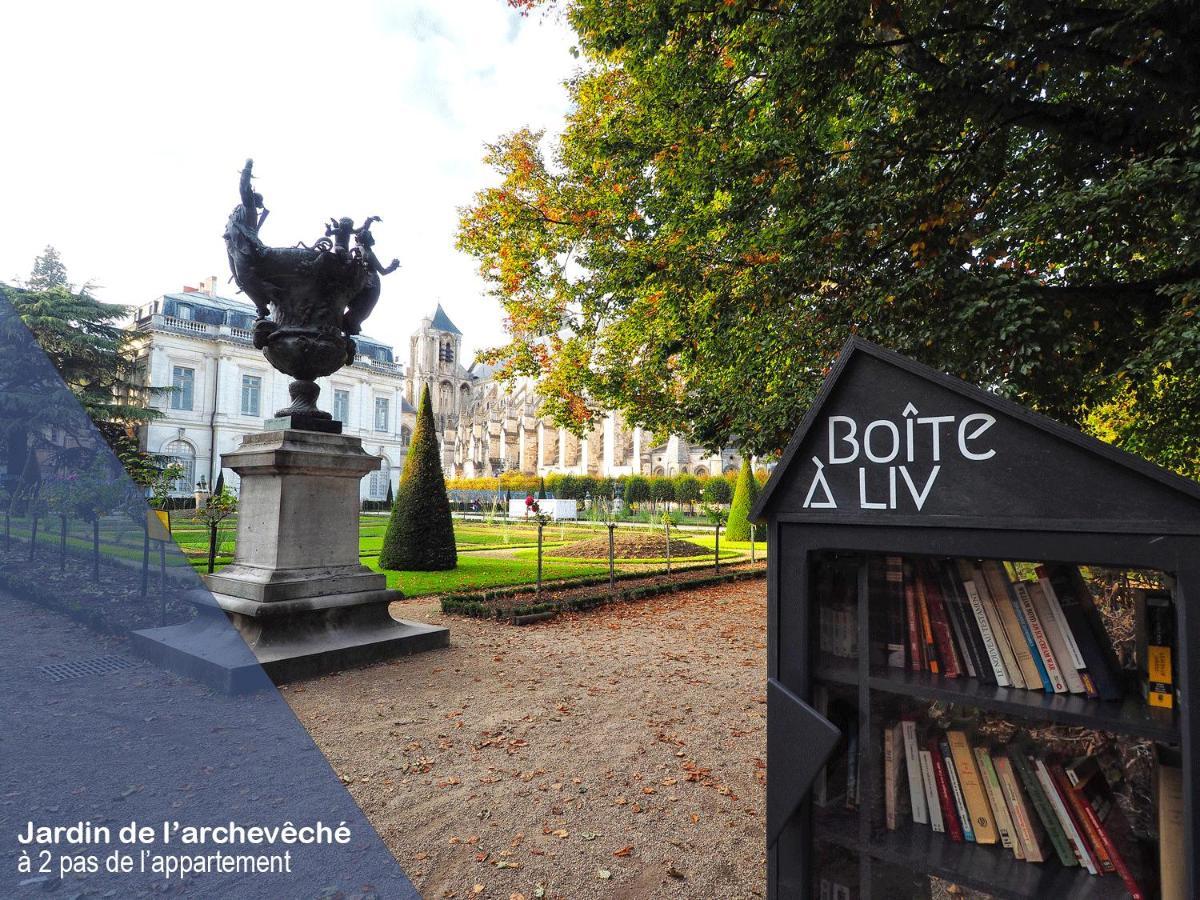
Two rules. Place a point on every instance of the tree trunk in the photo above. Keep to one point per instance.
(612, 569)
(537, 590)
(62, 544)
(717, 548)
(96, 549)
(667, 529)
(33, 538)
(212, 547)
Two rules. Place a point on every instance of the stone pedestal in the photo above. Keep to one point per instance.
(296, 590)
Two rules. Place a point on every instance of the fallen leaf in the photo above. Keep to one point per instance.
(603, 874)
(624, 851)
(478, 889)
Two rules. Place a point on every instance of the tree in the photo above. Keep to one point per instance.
(420, 532)
(687, 489)
(220, 506)
(637, 491)
(90, 351)
(48, 271)
(745, 492)
(716, 490)
(662, 490)
(1007, 191)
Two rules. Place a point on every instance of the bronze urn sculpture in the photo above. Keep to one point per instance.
(310, 300)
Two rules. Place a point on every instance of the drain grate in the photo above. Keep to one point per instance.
(83, 668)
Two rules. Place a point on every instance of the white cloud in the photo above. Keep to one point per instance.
(126, 125)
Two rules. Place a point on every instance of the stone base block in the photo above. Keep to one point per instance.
(287, 640)
(301, 422)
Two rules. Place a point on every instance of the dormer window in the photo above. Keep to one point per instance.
(184, 311)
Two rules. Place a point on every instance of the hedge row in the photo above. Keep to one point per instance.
(484, 604)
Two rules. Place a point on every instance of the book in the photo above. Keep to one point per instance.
(1083, 621)
(939, 621)
(1088, 828)
(1028, 827)
(963, 622)
(990, 645)
(996, 624)
(971, 784)
(1054, 680)
(1015, 627)
(1155, 639)
(893, 584)
(893, 750)
(1041, 805)
(1172, 843)
(1058, 803)
(1074, 657)
(960, 805)
(916, 788)
(946, 802)
(916, 661)
(928, 646)
(1052, 626)
(929, 781)
(1103, 817)
(995, 796)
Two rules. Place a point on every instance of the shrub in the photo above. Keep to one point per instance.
(687, 488)
(637, 490)
(744, 495)
(420, 533)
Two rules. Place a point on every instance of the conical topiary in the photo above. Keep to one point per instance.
(744, 495)
(420, 533)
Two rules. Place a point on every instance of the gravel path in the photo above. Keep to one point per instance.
(613, 754)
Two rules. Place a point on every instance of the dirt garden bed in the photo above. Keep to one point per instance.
(523, 606)
(631, 546)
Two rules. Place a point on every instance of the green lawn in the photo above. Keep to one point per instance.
(475, 572)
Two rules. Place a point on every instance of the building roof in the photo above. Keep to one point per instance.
(442, 322)
(202, 298)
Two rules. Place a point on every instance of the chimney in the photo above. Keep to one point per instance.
(210, 285)
(188, 289)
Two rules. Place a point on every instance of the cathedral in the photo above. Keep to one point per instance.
(487, 427)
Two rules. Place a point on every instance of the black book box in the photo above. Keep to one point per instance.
(897, 458)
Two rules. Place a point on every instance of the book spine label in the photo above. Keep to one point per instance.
(1054, 678)
(929, 780)
(995, 796)
(1058, 804)
(1160, 627)
(945, 794)
(985, 632)
(1039, 667)
(1045, 812)
(916, 790)
(960, 803)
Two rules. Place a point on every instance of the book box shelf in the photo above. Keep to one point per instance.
(896, 459)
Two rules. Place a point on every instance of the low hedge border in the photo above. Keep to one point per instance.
(485, 604)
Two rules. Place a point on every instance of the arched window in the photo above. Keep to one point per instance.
(377, 487)
(446, 399)
(183, 454)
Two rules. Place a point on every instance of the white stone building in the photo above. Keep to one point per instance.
(487, 427)
(199, 344)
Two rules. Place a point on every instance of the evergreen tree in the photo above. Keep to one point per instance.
(420, 532)
(48, 271)
(744, 495)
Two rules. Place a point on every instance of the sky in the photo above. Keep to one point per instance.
(126, 125)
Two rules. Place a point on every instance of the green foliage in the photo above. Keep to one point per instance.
(744, 495)
(420, 533)
(662, 489)
(220, 506)
(1009, 192)
(637, 490)
(717, 490)
(687, 488)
